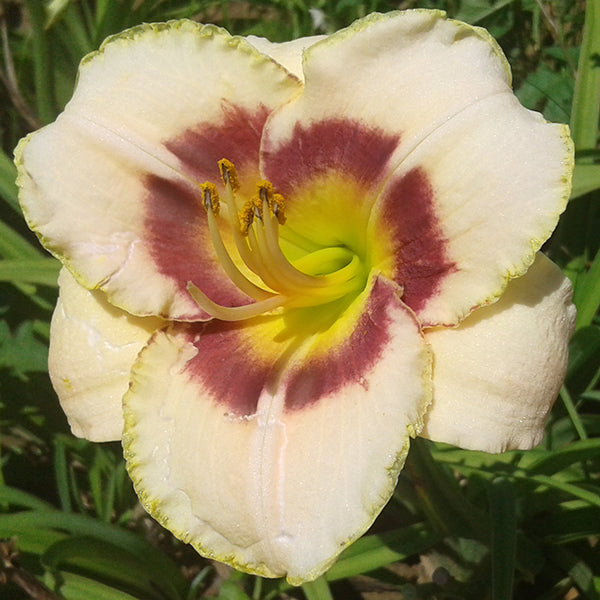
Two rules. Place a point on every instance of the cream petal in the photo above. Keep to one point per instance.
(111, 187)
(92, 348)
(465, 183)
(272, 465)
(492, 183)
(288, 54)
(497, 375)
(404, 72)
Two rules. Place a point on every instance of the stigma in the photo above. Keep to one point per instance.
(256, 264)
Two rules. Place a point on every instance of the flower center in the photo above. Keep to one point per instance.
(255, 223)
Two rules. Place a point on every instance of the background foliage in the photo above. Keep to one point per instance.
(461, 525)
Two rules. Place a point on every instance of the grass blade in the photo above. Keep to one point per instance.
(8, 187)
(317, 590)
(16, 497)
(375, 551)
(587, 293)
(41, 271)
(13, 245)
(43, 63)
(586, 179)
(586, 100)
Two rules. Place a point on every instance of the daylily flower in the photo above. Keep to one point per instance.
(281, 261)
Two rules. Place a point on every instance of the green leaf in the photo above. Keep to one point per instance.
(40, 271)
(584, 357)
(475, 11)
(230, 591)
(586, 101)
(15, 497)
(109, 564)
(83, 525)
(573, 414)
(317, 590)
(503, 521)
(579, 571)
(587, 293)
(549, 91)
(36, 540)
(76, 587)
(43, 64)
(8, 187)
(54, 9)
(22, 352)
(61, 474)
(442, 499)
(558, 460)
(569, 525)
(586, 179)
(13, 245)
(375, 551)
(575, 490)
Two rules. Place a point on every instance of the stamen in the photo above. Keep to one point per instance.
(266, 269)
(280, 275)
(255, 230)
(225, 260)
(211, 204)
(230, 181)
(234, 313)
(288, 271)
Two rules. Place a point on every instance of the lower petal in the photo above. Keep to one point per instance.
(498, 374)
(246, 454)
(92, 348)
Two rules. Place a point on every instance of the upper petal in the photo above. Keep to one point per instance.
(93, 346)
(274, 456)
(466, 184)
(497, 375)
(406, 72)
(111, 187)
(288, 54)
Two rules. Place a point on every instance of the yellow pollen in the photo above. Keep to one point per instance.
(210, 197)
(277, 208)
(265, 190)
(257, 203)
(246, 216)
(229, 174)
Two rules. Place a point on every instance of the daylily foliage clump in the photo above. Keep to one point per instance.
(283, 261)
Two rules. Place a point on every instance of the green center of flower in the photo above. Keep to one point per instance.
(318, 277)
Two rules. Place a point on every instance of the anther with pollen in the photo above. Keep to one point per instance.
(228, 174)
(210, 197)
